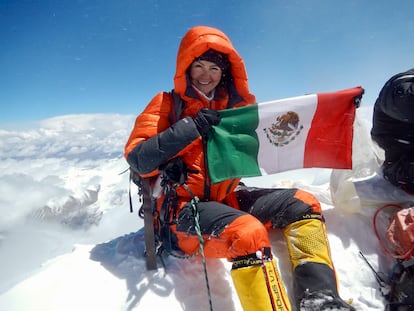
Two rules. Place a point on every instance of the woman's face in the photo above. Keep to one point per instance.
(205, 75)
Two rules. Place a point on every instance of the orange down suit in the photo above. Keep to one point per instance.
(156, 118)
(235, 218)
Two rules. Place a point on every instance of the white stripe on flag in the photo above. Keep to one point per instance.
(281, 135)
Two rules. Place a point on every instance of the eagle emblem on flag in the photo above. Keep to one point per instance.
(286, 128)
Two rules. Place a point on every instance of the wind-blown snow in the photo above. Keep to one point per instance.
(69, 242)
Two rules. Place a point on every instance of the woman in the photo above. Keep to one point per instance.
(169, 140)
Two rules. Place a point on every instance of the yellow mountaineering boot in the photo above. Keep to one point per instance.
(314, 279)
(258, 283)
(307, 242)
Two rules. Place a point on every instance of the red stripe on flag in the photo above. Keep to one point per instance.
(329, 141)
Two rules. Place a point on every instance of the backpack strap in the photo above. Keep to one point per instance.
(177, 107)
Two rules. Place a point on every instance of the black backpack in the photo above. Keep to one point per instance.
(393, 129)
(147, 210)
(177, 108)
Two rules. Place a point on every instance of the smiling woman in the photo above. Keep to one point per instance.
(205, 76)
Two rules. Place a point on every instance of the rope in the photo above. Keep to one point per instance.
(193, 203)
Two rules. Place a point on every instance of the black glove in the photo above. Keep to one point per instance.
(206, 118)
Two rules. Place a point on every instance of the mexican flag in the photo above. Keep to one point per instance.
(300, 132)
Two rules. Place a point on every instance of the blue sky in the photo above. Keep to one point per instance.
(112, 56)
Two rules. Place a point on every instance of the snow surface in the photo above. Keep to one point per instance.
(69, 242)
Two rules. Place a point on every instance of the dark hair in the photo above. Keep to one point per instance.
(218, 58)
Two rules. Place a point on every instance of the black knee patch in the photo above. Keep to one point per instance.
(214, 217)
(276, 205)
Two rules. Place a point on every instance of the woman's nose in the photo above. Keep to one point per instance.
(204, 72)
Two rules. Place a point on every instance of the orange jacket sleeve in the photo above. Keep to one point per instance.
(153, 140)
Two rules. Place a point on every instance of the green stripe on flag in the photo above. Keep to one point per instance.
(233, 146)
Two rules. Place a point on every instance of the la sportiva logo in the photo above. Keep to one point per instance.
(286, 128)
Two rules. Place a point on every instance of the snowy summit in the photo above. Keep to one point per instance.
(69, 242)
